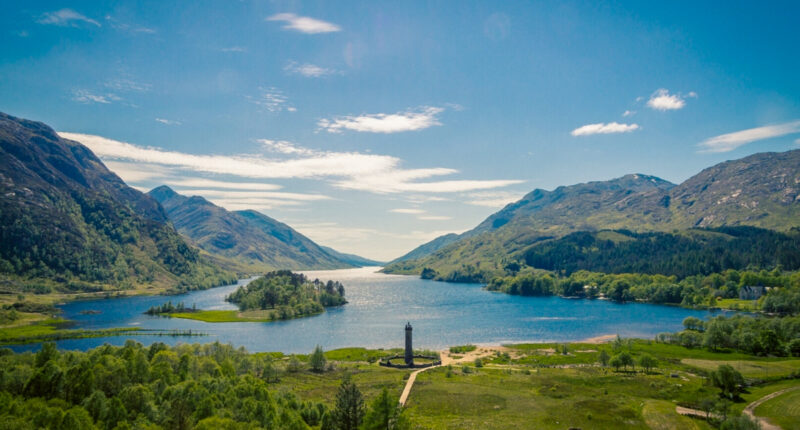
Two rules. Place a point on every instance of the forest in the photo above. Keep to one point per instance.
(711, 290)
(291, 294)
(779, 337)
(692, 252)
(210, 386)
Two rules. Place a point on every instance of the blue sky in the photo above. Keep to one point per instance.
(373, 127)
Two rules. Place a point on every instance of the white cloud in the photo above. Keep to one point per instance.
(308, 70)
(492, 199)
(381, 174)
(407, 211)
(602, 128)
(66, 17)
(167, 121)
(797, 141)
(628, 113)
(382, 184)
(228, 185)
(123, 26)
(122, 84)
(304, 24)
(86, 96)
(234, 49)
(271, 99)
(319, 165)
(411, 120)
(434, 218)
(256, 195)
(136, 172)
(730, 141)
(662, 100)
(284, 147)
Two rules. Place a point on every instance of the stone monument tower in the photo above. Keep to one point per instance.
(409, 349)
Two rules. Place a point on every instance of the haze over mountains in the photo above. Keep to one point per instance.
(247, 239)
(762, 190)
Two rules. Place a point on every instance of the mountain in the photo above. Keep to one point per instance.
(65, 217)
(430, 247)
(351, 259)
(761, 190)
(246, 240)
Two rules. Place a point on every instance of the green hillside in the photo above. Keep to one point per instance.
(244, 240)
(760, 190)
(69, 225)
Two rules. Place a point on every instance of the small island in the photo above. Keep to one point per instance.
(278, 295)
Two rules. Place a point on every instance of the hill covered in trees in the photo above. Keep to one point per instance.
(692, 252)
(69, 224)
(289, 294)
(246, 239)
(760, 190)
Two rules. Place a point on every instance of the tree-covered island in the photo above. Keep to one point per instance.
(278, 295)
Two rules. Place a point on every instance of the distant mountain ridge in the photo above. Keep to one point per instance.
(761, 190)
(246, 239)
(353, 259)
(65, 217)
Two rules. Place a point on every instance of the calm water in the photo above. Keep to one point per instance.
(442, 314)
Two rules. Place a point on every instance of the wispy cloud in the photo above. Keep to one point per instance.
(284, 147)
(603, 128)
(66, 18)
(662, 100)
(137, 172)
(123, 84)
(86, 96)
(225, 185)
(234, 49)
(304, 24)
(308, 70)
(272, 99)
(381, 174)
(730, 141)
(168, 121)
(492, 199)
(628, 113)
(132, 28)
(411, 120)
(434, 218)
(411, 211)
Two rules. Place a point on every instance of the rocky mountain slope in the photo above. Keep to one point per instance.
(66, 219)
(246, 239)
(762, 190)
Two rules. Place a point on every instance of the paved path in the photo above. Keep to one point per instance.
(765, 425)
(410, 383)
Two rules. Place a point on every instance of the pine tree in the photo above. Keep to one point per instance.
(317, 360)
(349, 410)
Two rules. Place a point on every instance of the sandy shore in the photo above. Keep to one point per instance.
(599, 339)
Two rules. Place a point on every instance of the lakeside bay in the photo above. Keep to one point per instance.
(442, 314)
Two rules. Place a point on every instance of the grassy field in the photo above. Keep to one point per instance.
(750, 369)
(322, 387)
(545, 398)
(783, 410)
(738, 304)
(225, 316)
(52, 329)
(268, 315)
(660, 415)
